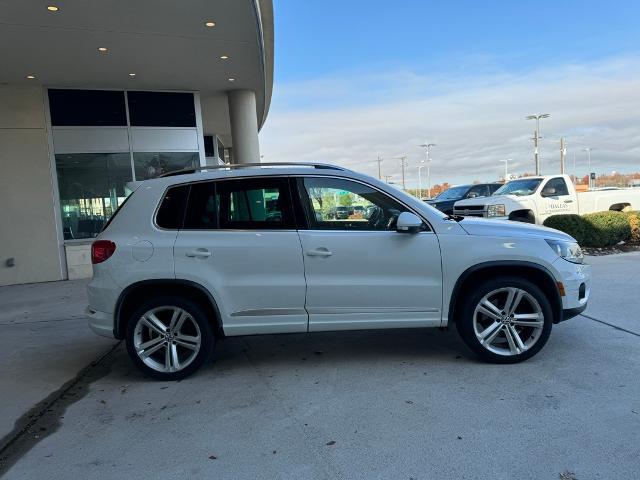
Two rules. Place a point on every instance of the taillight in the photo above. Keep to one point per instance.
(101, 250)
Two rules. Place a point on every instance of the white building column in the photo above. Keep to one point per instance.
(244, 126)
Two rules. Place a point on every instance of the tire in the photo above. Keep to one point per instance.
(488, 330)
(169, 353)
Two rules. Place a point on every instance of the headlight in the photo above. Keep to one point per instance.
(570, 251)
(496, 211)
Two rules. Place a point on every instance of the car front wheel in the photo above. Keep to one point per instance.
(169, 338)
(505, 320)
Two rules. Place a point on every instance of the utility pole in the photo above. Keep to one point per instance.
(379, 168)
(403, 164)
(427, 146)
(537, 137)
(563, 154)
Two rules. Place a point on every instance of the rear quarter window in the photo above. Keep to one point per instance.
(171, 211)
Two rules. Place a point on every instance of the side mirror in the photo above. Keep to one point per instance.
(408, 223)
(548, 192)
(473, 195)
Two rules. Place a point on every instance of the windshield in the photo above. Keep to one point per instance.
(525, 186)
(454, 193)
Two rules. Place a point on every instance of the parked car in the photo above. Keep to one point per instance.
(192, 258)
(444, 200)
(533, 199)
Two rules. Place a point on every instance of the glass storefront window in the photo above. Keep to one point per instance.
(152, 165)
(92, 186)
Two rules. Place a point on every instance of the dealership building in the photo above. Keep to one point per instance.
(95, 96)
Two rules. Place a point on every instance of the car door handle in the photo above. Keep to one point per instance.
(199, 253)
(320, 252)
(568, 201)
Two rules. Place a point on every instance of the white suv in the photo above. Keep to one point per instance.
(253, 249)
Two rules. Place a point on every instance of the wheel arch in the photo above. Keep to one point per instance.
(131, 295)
(620, 207)
(538, 274)
(525, 213)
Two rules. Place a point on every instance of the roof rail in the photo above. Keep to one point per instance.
(231, 166)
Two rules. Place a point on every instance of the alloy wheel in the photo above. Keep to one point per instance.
(508, 321)
(167, 339)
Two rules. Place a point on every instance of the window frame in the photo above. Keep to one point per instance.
(303, 209)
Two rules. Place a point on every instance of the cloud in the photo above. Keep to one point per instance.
(476, 118)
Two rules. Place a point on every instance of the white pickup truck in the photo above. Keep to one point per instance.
(533, 199)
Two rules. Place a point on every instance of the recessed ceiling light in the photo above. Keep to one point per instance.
(232, 79)
(102, 49)
(30, 77)
(210, 24)
(224, 57)
(52, 8)
(132, 74)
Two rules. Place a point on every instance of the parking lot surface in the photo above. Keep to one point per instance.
(349, 405)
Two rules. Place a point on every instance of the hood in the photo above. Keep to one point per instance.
(505, 228)
(492, 200)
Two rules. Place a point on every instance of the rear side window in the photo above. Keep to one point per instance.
(263, 203)
(171, 211)
(202, 212)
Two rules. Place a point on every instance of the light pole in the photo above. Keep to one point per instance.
(536, 137)
(420, 167)
(506, 168)
(403, 163)
(379, 160)
(427, 146)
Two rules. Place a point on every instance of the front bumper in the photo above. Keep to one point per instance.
(576, 279)
(100, 322)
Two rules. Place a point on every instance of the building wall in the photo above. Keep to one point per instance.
(27, 214)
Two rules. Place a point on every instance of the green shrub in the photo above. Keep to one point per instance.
(600, 229)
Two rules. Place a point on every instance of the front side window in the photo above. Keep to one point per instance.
(554, 187)
(337, 204)
(477, 191)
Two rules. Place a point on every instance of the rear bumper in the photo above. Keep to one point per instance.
(100, 322)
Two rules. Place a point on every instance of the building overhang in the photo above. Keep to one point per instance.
(166, 45)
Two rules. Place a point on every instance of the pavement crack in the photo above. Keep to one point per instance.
(43, 419)
(610, 325)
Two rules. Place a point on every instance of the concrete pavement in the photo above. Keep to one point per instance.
(388, 404)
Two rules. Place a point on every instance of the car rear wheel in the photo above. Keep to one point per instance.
(169, 338)
(505, 320)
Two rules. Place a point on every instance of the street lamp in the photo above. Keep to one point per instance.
(506, 168)
(536, 137)
(420, 167)
(427, 147)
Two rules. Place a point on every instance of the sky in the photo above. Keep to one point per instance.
(356, 79)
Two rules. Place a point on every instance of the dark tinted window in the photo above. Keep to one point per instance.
(208, 146)
(161, 109)
(493, 187)
(477, 191)
(202, 213)
(171, 211)
(554, 187)
(87, 108)
(255, 204)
